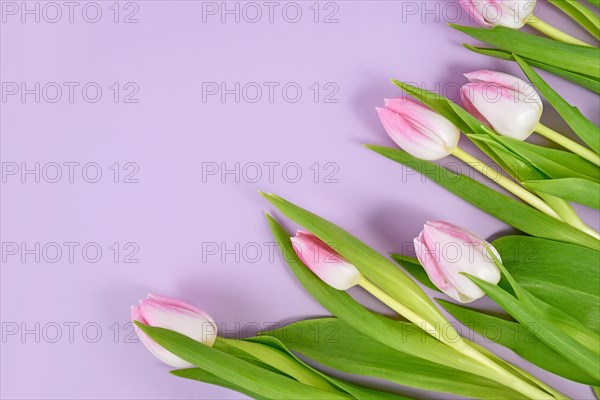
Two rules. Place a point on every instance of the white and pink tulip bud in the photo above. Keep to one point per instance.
(175, 315)
(503, 102)
(447, 252)
(418, 130)
(512, 14)
(325, 262)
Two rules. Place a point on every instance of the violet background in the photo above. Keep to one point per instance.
(171, 212)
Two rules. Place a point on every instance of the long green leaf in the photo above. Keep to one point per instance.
(579, 13)
(540, 266)
(573, 189)
(537, 322)
(371, 264)
(241, 373)
(582, 126)
(359, 392)
(335, 344)
(198, 374)
(512, 212)
(519, 339)
(578, 59)
(585, 81)
(553, 163)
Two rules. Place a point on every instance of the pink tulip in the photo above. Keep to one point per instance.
(503, 102)
(324, 261)
(175, 315)
(508, 13)
(418, 130)
(447, 251)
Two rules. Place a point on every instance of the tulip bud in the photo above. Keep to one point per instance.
(508, 13)
(503, 102)
(418, 130)
(175, 315)
(325, 262)
(447, 251)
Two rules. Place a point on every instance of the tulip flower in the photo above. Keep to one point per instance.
(175, 315)
(503, 102)
(447, 252)
(508, 13)
(328, 265)
(512, 108)
(514, 14)
(425, 134)
(418, 130)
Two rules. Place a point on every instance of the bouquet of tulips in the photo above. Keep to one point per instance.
(548, 320)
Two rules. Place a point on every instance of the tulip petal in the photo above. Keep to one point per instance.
(410, 139)
(508, 104)
(178, 303)
(179, 319)
(324, 262)
(448, 252)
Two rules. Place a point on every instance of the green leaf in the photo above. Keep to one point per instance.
(518, 167)
(579, 13)
(573, 189)
(541, 322)
(583, 127)
(519, 339)
(240, 373)
(198, 374)
(540, 265)
(585, 81)
(596, 390)
(359, 392)
(574, 58)
(554, 163)
(335, 344)
(512, 212)
(371, 264)
(414, 267)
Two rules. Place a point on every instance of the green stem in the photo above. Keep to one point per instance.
(281, 361)
(554, 33)
(568, 144)
(506, 183)
(460, 345)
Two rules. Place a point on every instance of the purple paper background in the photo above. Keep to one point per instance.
(173, 215)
